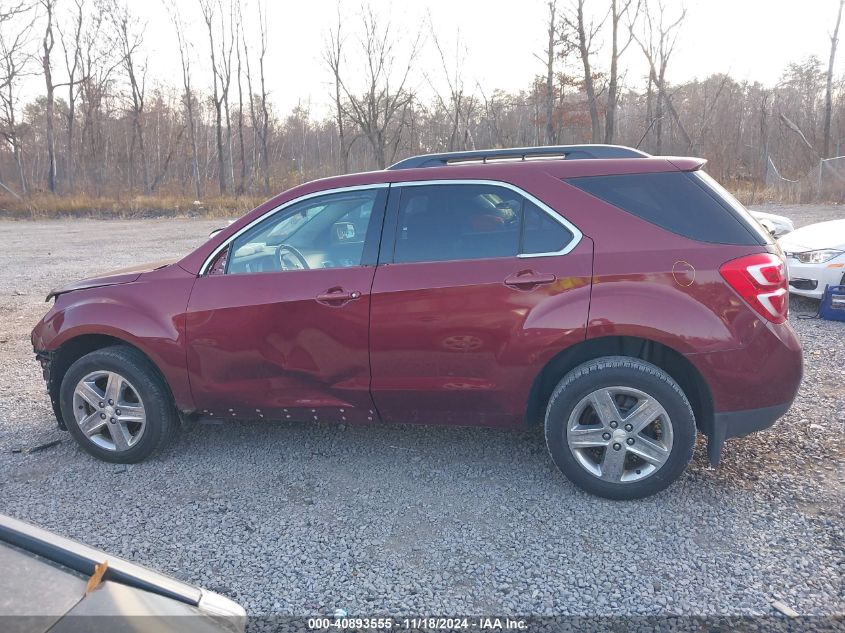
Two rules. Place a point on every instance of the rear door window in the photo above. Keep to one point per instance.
(457, 222)
(473, 221)
(541, 233)
(680, 202)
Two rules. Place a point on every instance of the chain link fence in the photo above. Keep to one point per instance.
(824, 182)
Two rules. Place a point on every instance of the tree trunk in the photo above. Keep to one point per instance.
(589, 86)
(613, 79)
(47, 44)
(649, 109)
(828, 95)
(242, 175)
(658, 117)
(18, 154)
(71, 126)
(252, 117)
(764, 137)
(208, 15)
(265, 115)
(551, 136)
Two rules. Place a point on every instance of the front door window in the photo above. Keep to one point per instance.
(322, 232)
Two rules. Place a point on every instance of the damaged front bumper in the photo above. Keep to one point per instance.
(46, 361)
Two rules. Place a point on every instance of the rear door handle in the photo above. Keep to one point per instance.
(337, 296)
(528, 279)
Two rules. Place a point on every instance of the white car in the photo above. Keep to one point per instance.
(777, 225)
(815, 257)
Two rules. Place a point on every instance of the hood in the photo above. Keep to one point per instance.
(122, 276)
(815, 236)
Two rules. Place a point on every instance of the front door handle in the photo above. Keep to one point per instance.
(528, 279)
(337, 296)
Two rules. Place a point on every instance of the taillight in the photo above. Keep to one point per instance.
(762, 282)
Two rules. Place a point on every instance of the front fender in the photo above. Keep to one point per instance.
(148, 314)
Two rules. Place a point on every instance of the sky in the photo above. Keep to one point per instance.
(749, 39)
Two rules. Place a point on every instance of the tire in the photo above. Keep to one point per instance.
(124, 436)
(600, 454)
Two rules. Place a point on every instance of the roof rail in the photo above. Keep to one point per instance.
(564, 152)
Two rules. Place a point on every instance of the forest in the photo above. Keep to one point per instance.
(103, 136)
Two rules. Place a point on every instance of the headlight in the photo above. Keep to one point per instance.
(817, 257)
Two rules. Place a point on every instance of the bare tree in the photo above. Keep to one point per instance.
(379, 111)
(14, 65)
(191, 136)
(333, 57)
(265, 113)
(97, 65)
(7, 12)
(585, 33)
(252, 116)
(241, 145)
(657, 44)
(555, 37)
(129, 33)
(188, 97)
(765, 96)
(794, 127)
(458, 101)
(618, 10)
(208, 9)
(225, 70)
(828, 95)
(47, 44)
(551, 136)
(73, 58)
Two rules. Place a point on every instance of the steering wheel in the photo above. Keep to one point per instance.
(288, 255)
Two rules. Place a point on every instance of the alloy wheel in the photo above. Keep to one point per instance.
(109, 410)
(620, 434)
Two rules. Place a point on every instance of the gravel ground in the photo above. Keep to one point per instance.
(300, 519)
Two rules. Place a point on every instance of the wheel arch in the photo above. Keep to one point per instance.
(669, 360)
(78, 346)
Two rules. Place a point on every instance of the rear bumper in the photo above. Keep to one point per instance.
(765, 372)
(752, 386)
(727, 424)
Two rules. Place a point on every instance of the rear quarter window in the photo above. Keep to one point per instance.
(681, 202)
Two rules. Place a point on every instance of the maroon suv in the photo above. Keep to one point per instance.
(621, 300)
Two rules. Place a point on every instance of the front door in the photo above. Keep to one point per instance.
(478, 287)
(279, 328)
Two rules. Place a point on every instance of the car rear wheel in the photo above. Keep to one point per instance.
(116, 405)
(620, 428)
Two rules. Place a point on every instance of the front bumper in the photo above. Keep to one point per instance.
(810, 280)
(46, 361)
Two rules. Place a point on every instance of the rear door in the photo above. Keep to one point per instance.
(478, 285)
(278, 325)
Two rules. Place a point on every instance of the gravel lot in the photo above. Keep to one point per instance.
(302, 519)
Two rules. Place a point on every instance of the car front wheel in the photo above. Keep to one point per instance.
(116, 405)
(620, 427)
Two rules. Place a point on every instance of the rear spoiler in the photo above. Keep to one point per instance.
(686, 163)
